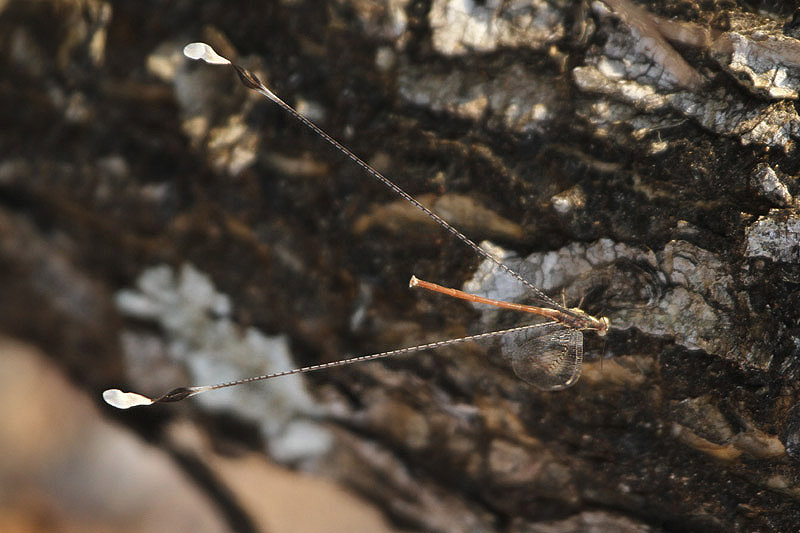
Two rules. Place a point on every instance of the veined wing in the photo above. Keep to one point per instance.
(549, 358)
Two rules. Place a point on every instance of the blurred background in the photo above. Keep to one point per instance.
(162, 226)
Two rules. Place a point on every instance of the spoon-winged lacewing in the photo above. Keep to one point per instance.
(549, 355)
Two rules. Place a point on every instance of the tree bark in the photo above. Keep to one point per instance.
(161, 225)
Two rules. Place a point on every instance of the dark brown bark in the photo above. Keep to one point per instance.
(642, 158)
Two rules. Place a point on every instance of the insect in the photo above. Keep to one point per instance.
(548, 355)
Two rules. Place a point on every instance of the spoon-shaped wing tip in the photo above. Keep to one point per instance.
(205, 52)
(125, 400)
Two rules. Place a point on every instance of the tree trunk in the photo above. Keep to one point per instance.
(161, 225)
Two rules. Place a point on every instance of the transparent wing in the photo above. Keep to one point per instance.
(549, 359)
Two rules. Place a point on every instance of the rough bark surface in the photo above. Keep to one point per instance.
(161, 226)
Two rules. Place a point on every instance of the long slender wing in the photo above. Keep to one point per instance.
(550, 361)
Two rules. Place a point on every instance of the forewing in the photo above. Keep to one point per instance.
(549, 361)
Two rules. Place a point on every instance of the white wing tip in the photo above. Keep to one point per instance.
(125, 400)
(205, 52)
